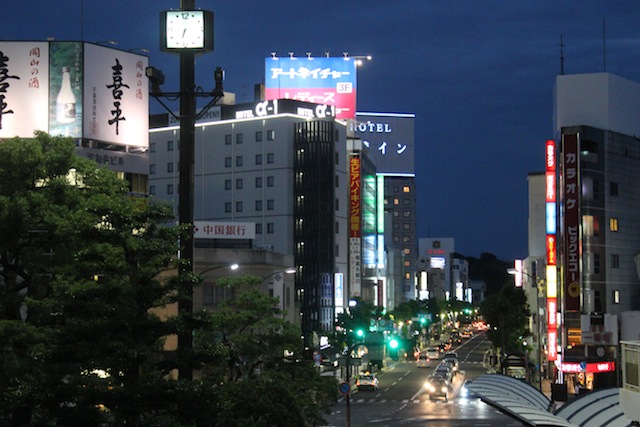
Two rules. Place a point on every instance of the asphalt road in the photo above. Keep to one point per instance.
(402, 399)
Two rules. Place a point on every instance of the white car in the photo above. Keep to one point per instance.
(433, 353)
(367, 381)
(423, 361)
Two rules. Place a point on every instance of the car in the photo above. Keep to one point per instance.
(452, 357)
(433, 353)
(437, 386)
(367, 381)
(444, 370)
(423, 361)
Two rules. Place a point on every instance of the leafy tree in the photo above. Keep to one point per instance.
(507, 312)
(253, 355)
(78, 265)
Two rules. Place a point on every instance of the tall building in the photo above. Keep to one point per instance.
(279, 169)
(592, 226)
(388, 139)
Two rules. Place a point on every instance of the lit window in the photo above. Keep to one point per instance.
(407, 251)
(406, 189)
(616, 297)
(271, 135)
(587, 225)
(613, 224)
(396, 202)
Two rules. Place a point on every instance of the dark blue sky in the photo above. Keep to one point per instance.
(477, 74)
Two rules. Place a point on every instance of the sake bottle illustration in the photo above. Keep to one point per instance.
(66, 100)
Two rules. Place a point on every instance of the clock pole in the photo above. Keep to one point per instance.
(185, 198)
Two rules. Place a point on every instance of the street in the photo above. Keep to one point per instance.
(402, 400)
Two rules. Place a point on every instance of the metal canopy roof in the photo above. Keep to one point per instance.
(526, 403)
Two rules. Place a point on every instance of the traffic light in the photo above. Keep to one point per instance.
(359, 332)
(393, 343)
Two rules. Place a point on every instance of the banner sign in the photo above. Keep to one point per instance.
(328, 81)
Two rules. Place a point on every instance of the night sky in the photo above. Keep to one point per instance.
(478, 75)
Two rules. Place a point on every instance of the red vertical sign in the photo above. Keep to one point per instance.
(571, 228)
(354, 197)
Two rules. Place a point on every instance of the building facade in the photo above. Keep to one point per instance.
(280, 168)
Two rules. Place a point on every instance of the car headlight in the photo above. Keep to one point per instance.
(444, 389)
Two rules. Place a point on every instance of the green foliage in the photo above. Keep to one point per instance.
(490, 269)
(507, 311)
(83, 271)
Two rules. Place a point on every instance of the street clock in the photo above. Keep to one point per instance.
(186, 30)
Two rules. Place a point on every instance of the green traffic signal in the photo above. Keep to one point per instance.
(360, 333)
(393, 343)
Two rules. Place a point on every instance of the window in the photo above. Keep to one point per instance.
(238, 206)
(169, 145)
(227, 139)
(170, 167)
(406, 189)
(615, 261)
(407, 263)
(227, 162)
(258, 159)
(406, 214)
(406, 201)
(152, 169)
(207, 294)
(270, 158)
(406, 226)
(270, 181)
(259, 136)
(406, 239)
(169, 188)
(616, 297)
(613, 188)
(270, 228)
(337, 159)
(613, 224)
(227, 207)
(258, 228)
(227, 184)
(396, 201)
(337, 204)
(407, 251)
(152, 147)
(239, 138)
(271, 135)
(337, 181)
(258, 205)
(152, 190)
(258, 182)
(337, 251)
(238, 160)
(270, 204)
(239, 184)
(596, 263)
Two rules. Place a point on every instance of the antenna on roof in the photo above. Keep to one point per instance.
(561, 56)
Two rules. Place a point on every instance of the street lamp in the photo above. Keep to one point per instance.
(537, 284)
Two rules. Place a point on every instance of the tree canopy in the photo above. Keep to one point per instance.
(84, 266)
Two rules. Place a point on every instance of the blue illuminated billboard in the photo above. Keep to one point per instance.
(329, 81)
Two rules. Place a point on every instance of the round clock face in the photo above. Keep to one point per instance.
(185, 29)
